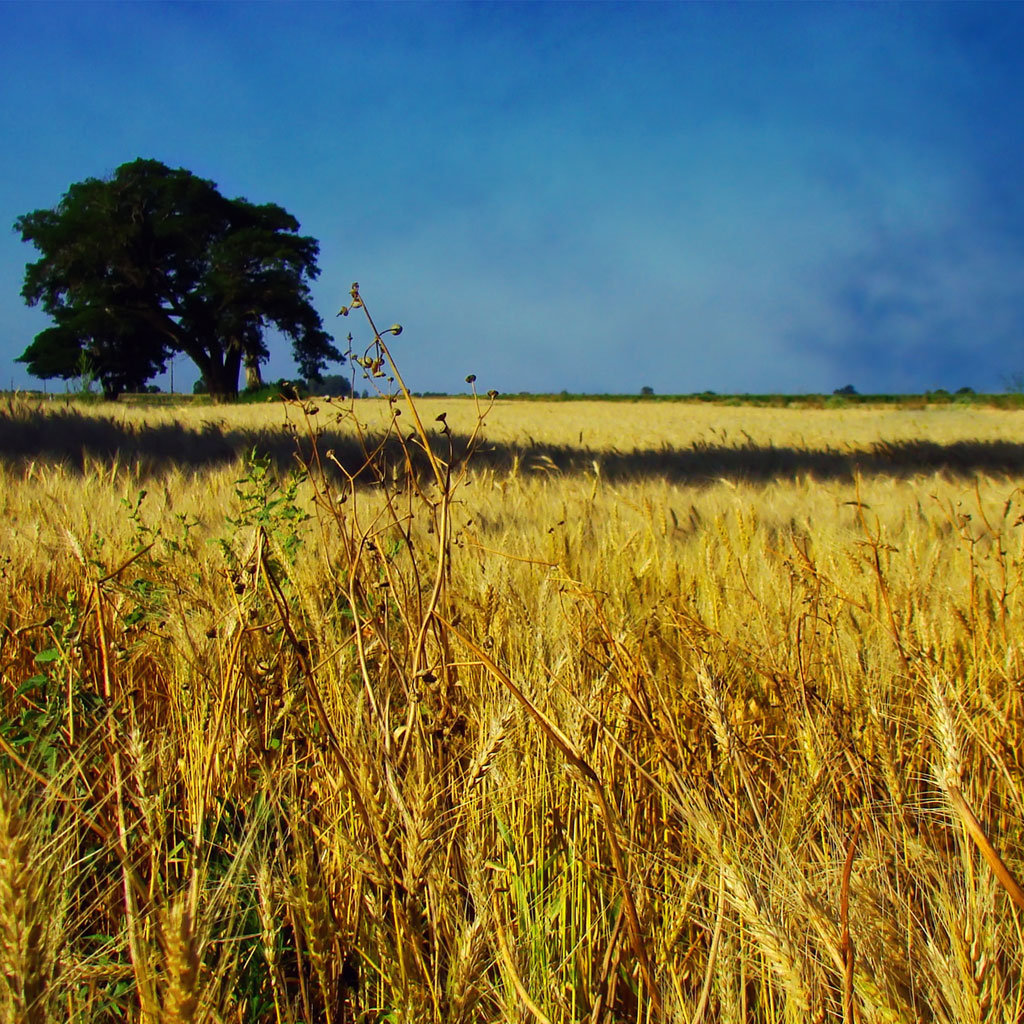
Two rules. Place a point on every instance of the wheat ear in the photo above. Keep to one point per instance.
(21, 929)
(181, 964)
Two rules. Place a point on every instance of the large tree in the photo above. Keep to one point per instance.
(152, 262)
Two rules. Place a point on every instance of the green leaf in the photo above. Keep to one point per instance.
(50, 654)
(31, 684)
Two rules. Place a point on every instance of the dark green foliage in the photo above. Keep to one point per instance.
(156, 261)
(336, 384)
(280, 390)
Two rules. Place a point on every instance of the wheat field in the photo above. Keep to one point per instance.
(504, 711)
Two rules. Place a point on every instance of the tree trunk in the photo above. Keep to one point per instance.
(253, 377)
(218, 367)
(221, 376)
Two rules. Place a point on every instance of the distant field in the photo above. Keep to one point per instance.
(621, 426)
(601, 710)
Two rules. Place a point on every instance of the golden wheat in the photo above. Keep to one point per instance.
(590, 726)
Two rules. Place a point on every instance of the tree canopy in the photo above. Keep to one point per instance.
(153, 262)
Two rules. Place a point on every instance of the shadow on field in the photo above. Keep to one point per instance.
(82, 440)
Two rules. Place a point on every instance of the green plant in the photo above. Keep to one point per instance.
(269, 506)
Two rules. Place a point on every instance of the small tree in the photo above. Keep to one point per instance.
(155, 261)
(332, 384)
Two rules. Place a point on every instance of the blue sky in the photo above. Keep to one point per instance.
(596, 197)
